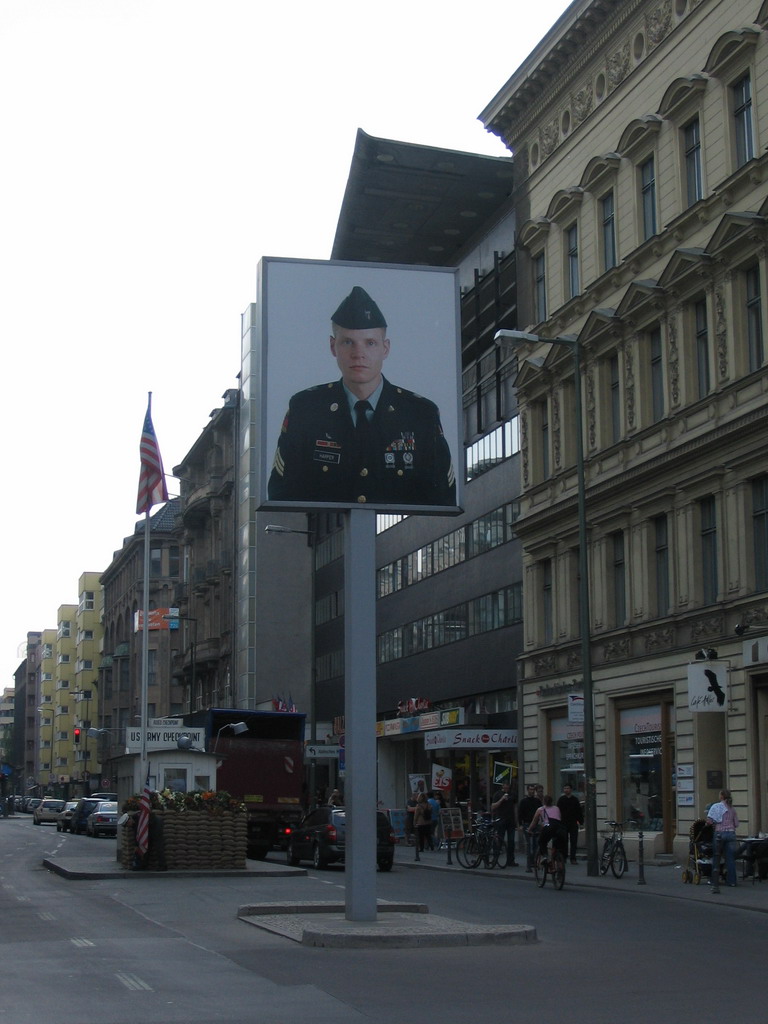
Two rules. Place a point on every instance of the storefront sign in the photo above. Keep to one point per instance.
(470, 738)
(708, 686)
(442, 777)
(576, 707)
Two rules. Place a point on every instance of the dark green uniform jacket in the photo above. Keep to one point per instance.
(404, 459)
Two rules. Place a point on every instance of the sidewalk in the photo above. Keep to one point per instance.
(660, 880)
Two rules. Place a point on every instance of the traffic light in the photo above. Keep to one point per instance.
(77, 734)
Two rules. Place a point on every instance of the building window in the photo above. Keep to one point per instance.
(657, 376)
(619, 575)
(760, 531)
(702, 347)
(661, 552)
(692, 152)
(572, 265)
(615, 393)
(742, 120)
(708, 518)
(540, 288)
(608, 213)
(155, 561)
(648, 197)
(754, 317)
(546, 601)
(173, 560)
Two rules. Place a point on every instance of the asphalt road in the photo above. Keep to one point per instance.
(164, 950)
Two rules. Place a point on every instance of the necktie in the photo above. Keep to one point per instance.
(362, 426)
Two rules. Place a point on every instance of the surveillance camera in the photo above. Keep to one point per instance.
(740, 629)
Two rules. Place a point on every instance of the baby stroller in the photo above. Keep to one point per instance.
(700, 852)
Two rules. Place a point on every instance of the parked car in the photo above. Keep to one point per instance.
(31, 803)
(319, 837)
(47, 810)
(64, 816)
(104, 796)
(102, 821)
(85, 806)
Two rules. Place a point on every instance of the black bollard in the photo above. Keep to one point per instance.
(448, 859)
(640, 860)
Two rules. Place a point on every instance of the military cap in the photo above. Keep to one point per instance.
(358, 311)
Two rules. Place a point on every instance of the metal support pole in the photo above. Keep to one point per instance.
(640, 860)
(590, 815)
(360, 713)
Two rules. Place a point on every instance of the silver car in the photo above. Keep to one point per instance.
(47, 811)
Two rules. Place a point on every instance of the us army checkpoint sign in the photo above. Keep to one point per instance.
(163, 738)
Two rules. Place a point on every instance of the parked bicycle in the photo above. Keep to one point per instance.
(483, 845)
(552, 862)
(614, 856)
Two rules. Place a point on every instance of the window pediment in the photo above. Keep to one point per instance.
(600, 321)
(640, 134)
(534, 233)
(731, 49)
(734, 229)
(564, 203)
(682, 98)
(600, 171)
(642, 299)
(684, 265)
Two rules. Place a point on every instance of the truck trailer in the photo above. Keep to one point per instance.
(259, 760)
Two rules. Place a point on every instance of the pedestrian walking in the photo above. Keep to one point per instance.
(526, 811)
(572, 817)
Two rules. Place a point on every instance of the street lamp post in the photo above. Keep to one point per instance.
(590, 816)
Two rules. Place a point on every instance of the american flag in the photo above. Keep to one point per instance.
(142, 826)
(152, 489)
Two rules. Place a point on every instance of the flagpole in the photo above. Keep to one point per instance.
(152, 491)
(145, 651)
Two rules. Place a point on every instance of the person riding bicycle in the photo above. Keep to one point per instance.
(549, 818)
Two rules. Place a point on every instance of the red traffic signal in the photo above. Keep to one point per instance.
(77, 734)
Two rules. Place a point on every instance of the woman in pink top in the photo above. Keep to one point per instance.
(548, 817)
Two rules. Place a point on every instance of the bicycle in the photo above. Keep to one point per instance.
(614, 856)
(482, 845)
(552, 862)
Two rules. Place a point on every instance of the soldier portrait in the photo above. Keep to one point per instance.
(361, 439)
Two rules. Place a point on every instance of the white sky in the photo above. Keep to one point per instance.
(152, 152)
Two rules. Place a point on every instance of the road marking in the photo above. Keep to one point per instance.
(46, 915)
(82, 943)
(134, 983)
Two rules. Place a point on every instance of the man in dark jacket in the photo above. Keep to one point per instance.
(570, 810)
(360, 439)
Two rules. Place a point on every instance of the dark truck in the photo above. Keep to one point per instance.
(262, 765)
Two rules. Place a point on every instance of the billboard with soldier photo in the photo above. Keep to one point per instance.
(359, 397)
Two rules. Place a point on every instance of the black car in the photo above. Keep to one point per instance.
(85, 806)
(320, 838)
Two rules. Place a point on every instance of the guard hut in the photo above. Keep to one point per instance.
(177, 760)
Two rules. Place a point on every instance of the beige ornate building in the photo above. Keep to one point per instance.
(639, 130)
